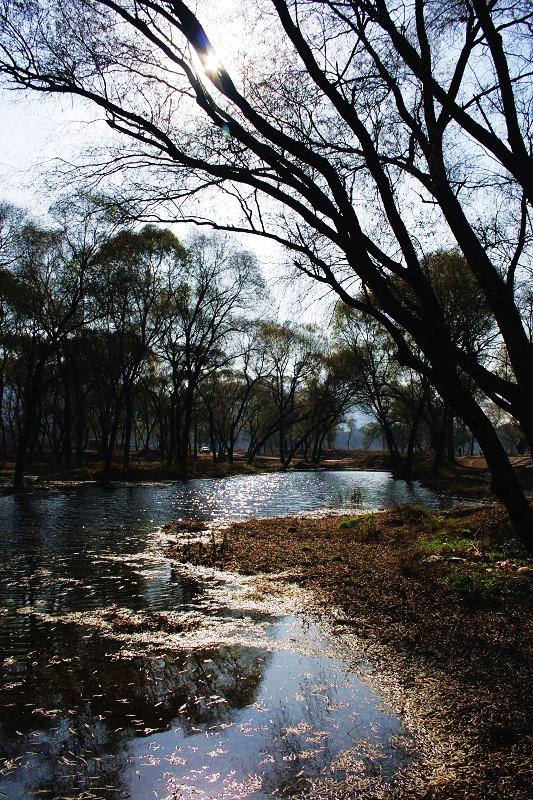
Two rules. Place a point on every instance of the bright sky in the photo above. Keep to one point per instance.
(35, 130)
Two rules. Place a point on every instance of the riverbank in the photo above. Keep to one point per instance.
(441, 604)
(42, 473)
(467, 477)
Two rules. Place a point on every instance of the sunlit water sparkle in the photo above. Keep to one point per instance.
(127, 675)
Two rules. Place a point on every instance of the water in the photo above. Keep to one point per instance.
(124, 674)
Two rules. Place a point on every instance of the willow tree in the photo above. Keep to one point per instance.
(133, 305)
(365, 128)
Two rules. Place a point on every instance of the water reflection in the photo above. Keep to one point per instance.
(83, 715)
(43, 520)
(102, 693)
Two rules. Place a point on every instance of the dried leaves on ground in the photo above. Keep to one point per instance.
(443, 602)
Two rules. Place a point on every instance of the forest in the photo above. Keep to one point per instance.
(116, 340)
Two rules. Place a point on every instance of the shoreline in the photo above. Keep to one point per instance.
(468, 478)
(441, 605)
(439, 602)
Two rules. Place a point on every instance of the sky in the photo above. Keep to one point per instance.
(36, 130)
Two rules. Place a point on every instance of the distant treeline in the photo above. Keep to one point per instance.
(112, 339)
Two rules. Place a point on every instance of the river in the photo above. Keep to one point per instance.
(128, 675)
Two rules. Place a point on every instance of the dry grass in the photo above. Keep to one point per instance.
(449, 625)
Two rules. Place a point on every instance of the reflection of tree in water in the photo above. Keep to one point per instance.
(305, 745)
(82, 581)
(306, 740)
(70, 711)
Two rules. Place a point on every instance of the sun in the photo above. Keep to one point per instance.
(211, 63)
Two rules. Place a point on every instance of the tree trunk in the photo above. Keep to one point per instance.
(22, 446)
(26, 436)
(67, 418)
(281, 440)
(127, 428)
(504, 482)
(79, 418)
(110, 445)
(450, 438)
(172, 417)
(2, 425)
(396, 459)
(184, 437)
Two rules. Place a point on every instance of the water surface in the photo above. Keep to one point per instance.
(124, 674)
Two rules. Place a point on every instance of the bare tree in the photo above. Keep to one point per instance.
(49, 283)
(377, 122)
(210, 292)
(133, 308)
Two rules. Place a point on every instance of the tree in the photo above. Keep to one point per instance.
(292, 357)
(374, 370)
(227, 396)
(399, 397)
(352, 428)
(368, 123)
(48, 281)
(11, 222)
(328, 394)
(133, 307)
(210, 294)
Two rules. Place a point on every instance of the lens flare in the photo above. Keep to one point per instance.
(212, 63)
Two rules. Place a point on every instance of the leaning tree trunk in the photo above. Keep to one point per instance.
(504, 482)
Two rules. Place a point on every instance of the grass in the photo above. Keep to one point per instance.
(428, 599)
(473, 587)
(365, 526)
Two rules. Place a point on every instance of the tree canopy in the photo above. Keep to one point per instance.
(371, 128)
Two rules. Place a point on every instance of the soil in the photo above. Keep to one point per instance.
(442, 604)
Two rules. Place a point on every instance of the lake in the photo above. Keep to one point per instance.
(128, 675)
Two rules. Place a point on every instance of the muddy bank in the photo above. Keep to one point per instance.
(442, 604)
(42, 473)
